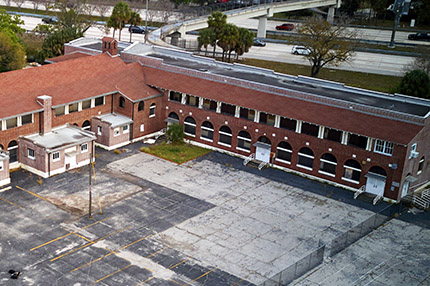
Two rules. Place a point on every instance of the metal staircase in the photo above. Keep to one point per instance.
(361, 190)
(424, 200)
(378, 197)
(248, 159)
(262, 165)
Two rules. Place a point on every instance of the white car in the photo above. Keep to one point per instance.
(300, 50)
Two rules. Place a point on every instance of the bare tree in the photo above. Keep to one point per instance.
(19, 3)
(101, 8)
(327, 44)
(422, 62)
(48, 4)
(165, 9)
(36, 4)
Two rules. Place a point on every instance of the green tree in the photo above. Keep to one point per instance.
(216, 21)
(53, 45)
(228, 40)
(12, 55)
(415, 83)
(328, 44)
(245, 41)
(349, 7)
(175, 133)
(206, 37)
(134, 20)
(120, 16)
(11, 24)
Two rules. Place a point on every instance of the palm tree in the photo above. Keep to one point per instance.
(206, 38)
(134, 20)
(244, 42)
(216, 21)
(120, 16)
(228, 40)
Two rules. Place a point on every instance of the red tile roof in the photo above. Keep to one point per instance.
(329, 116)
(67, 57)
(71, 81)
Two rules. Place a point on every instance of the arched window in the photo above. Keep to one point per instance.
(152, 110)
(75, 124)
(13, 151)
(121, 102)
(264, 139)
(1, 147)
(284, 152)
(421, 165)
(306, 158)
(140, 106)
(352, 171)
(207, 132)
(225, 136)
(244, 141)
(173, 115)
(378, 170)
(190, 126)
(328, 164)
(86, 125)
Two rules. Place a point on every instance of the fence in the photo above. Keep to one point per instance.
(338, 244)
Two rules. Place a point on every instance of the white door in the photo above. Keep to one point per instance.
(262, 154)
(70, 161)
(375, 184)
(405, 188)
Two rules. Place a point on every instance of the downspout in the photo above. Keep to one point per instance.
(49, 164)
(111, 105)
(132, 124)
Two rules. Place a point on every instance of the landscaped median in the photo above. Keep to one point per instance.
(176, 152)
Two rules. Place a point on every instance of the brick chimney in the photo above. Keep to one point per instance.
(46, 117)
(110, 45)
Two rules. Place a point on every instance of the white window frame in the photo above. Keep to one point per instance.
(55, 159)
(227, 134)
(84, 148)
(126, 129)
(324, 172)
(244, 139)
(116, 131)
(307, 156)
(419, 164)
(348, 179)
(99, 130)
(385, 146)
(282, 160)
(152, 109)
(32, 157)
(207, 129)
(193, 125)
(142, 127)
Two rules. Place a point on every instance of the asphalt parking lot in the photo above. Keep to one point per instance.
(210, 221)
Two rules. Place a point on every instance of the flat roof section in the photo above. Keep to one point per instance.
(61, 137)
(397, 103)
(115, 119)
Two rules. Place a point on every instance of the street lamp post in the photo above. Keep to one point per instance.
(399, 8)
(146, 21)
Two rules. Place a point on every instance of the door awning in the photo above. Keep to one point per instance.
(171, 120)
(262, 145)
(410, 179)
(375, 176)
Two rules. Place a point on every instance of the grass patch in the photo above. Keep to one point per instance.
(178, 153)
(377, 82)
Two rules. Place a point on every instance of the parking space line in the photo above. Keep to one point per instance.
(109, 275)
(18, 206)
(237, 282)
(149, 279)
(170, 279)
(34, 194)
(156, 252)
(202, 275)
(90, 243)
(179, 263)
(83, 237)
(112, 252)
(70, 233)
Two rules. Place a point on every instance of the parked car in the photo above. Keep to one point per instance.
(419, 36)
(136, 29)
(259, 43)
(300, 50)
(50, 20)
(285, 27)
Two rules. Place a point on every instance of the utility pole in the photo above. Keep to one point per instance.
(90, 182)
(146, 21)
(399, 8)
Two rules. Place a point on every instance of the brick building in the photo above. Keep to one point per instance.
(359, 139)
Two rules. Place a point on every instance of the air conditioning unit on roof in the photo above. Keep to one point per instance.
(414, 154)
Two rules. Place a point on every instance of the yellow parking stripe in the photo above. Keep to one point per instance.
(113, 252)
(202, 275)
(90, 243)
(11, 203)
(186, 259)
(156, 252)
(109, 275)
(63, 236)
(176, 282)
(31, 193)
(237, 282)
(149, 279)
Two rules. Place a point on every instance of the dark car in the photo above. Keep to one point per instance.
(285, 27)
(419, 36)
(136, 29)
(50, 20)
(259, 43)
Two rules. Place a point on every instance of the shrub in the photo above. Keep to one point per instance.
(175, 133)
(415, 83)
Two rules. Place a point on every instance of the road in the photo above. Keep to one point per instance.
(362, 62)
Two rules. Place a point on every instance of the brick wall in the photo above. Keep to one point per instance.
(104, 137)
(40, 162)
(297, 141)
